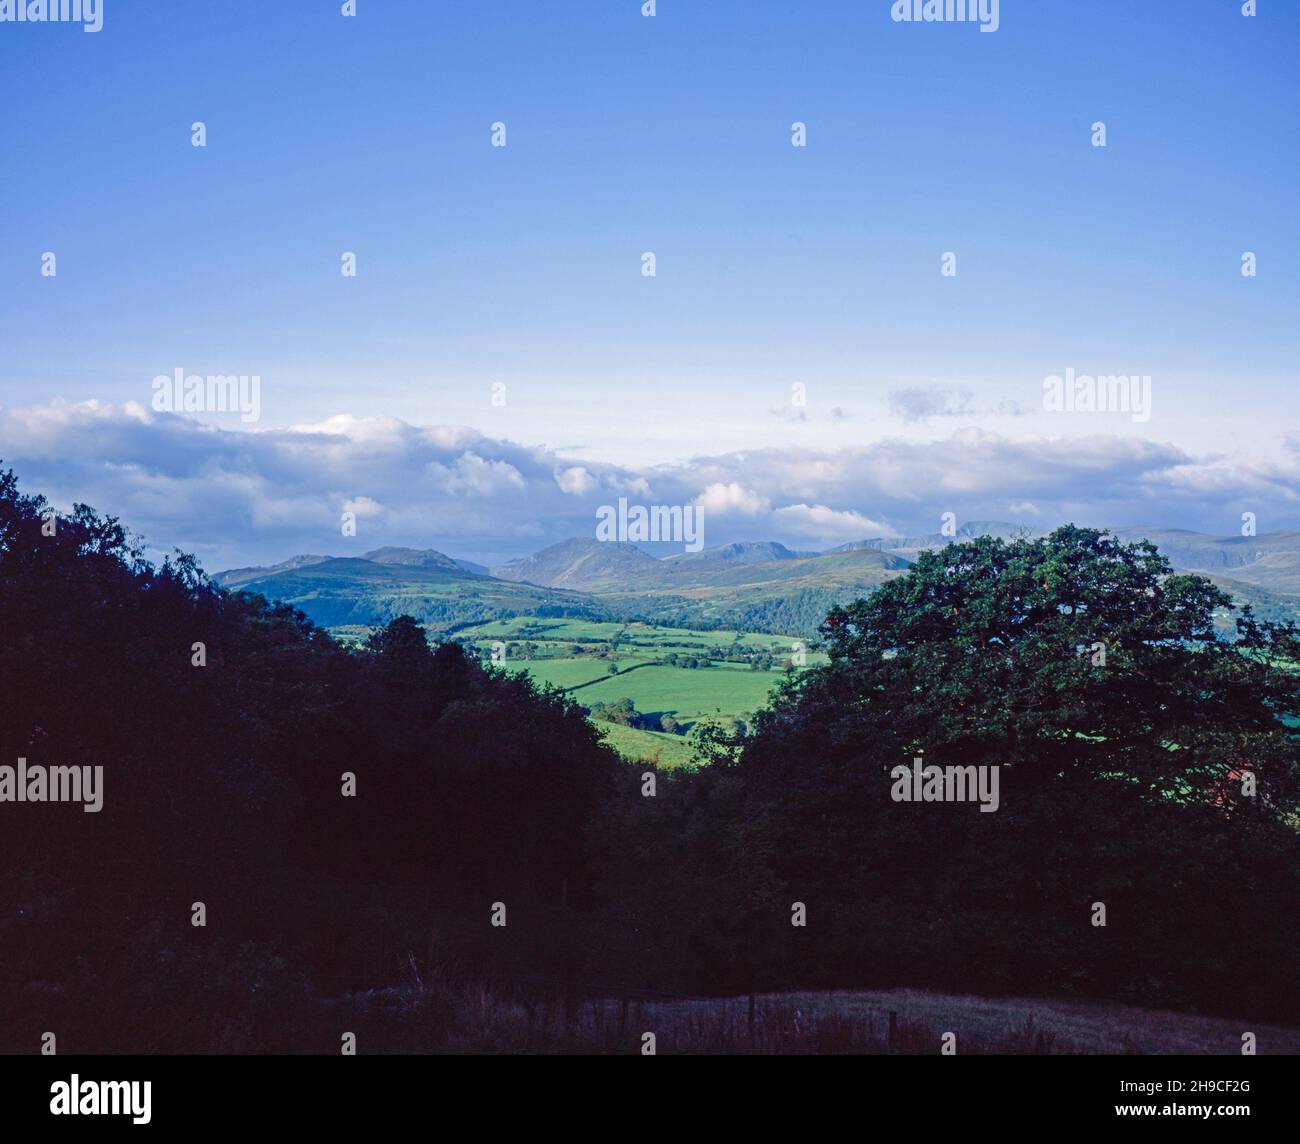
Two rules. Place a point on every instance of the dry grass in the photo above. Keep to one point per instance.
(441, 1018)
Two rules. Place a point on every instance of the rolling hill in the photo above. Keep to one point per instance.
(1270, 560)
(755, 586)
(583, 563)
(371, 589)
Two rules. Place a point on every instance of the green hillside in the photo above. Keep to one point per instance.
(756, 587)
(689, 675)
(337, 592)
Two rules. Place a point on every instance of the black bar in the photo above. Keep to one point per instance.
(338, 1093)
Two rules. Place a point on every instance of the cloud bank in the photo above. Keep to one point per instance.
(237, 497)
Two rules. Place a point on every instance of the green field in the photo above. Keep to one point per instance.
(688, 695)
(577, 655)
(632, 634)
(666, 750)
(714, 677)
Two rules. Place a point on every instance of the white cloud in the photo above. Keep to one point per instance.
(921, 404)
(817, 522)
(470, 473)
(1024, 508)
(235, 496)
(575, 481)
(732, 500)
(363, 507)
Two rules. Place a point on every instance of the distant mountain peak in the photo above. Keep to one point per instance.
(740, 552)
(425, 557)
(581, 562)
(389, 556)
(968, 531)
(233, 577)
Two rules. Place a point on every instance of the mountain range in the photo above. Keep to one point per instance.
(754, 585)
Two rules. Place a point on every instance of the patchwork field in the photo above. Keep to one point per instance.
(674, 677)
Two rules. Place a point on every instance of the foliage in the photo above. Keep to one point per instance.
(225, 784)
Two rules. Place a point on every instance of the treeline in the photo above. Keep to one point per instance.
(327, 814)
(350, 821)
(624, 713)
(448, 614)
(1145, 844)
(800, 613)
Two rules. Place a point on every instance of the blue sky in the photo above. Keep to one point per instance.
(776, 265)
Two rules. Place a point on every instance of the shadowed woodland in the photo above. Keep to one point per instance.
(1122, 783)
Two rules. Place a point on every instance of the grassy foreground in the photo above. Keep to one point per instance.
(437, 1018)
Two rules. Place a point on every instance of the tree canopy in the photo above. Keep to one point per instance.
(1126, 736)
(347, 815)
